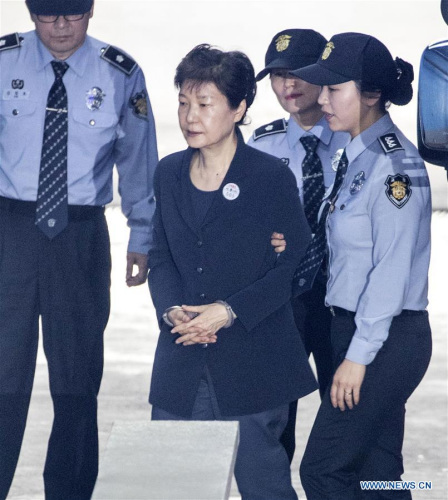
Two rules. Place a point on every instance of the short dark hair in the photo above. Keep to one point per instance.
(231, 72)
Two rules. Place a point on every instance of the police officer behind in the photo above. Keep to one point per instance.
(70, 108)
(307, 145)
(378, 232)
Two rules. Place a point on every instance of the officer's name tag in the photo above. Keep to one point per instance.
(11, 94)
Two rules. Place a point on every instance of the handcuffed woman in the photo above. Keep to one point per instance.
(228, 347)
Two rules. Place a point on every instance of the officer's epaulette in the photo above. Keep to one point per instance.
(118, 59)
(276, 127)
(390, 143)
(11, 41)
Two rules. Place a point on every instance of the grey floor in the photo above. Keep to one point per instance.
(130, 343)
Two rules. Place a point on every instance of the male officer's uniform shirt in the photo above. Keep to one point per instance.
(109, 122)
(281, 138)
(379, 236)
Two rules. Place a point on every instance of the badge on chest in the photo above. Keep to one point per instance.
(94, 98)
(231, 191)
(358, 183)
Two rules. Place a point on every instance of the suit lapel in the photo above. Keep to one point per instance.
(182, 191)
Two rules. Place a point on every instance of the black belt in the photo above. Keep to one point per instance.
(339, 311)
(28, 209)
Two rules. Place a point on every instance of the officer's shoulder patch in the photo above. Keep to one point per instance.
(139, 104)
(119, 59)
(275, 127)
(11, 41)
(398, 189)
(390, 143)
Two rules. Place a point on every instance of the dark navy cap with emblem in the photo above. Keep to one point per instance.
(59, 7)
(292, 49)
(352, 56)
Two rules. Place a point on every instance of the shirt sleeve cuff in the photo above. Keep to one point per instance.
(361, 352)
(139, 241)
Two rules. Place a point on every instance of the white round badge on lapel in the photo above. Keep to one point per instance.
(230, 191)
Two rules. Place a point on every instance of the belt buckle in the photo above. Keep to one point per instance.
(332, 311)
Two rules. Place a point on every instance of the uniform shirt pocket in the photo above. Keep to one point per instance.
(17, 108)
(21, 129)
(93, 119)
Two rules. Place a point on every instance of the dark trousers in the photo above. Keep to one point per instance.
(262, 469)
(364, 444)
(65, 282)
(313, 320)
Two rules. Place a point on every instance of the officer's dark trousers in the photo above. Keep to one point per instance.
(364, 444)
(66, 282)
(313, 320)
(262, 468)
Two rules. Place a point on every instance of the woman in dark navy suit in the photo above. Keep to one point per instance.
(228, 347)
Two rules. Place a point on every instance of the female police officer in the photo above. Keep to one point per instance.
(378, 232)
(306, 144)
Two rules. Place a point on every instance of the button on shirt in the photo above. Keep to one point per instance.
(379, 236)
(287, 146)
(111, 130)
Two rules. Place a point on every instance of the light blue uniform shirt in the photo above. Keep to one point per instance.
(282, 139)
(379, 236)
(118, 128)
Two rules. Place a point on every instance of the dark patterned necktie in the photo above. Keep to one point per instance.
(52, 203)
(313, 180)
(316, 251)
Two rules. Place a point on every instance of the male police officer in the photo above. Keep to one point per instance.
(70, 108)
(307, 145)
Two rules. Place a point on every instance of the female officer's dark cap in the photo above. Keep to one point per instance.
(352, 56)
(292, 49)
(59, 7)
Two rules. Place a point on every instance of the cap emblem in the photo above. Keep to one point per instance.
(327, 51)
(282, 42)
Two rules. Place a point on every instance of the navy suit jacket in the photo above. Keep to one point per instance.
(259, 363)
